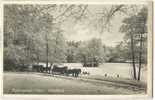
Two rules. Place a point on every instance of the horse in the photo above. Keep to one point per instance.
(37, 68)
(41, 68)
(77, 72)
(74, 72)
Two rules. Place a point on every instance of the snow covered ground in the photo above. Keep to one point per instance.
(43, 83)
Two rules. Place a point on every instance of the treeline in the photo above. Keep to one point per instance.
(33, 35)
(86, 51)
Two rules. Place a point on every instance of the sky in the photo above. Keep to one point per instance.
(81, 31)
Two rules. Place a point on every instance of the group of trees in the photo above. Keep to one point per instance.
(134, 46)
(30, 34)
(86, 51)
(135, 28)
(33, 33)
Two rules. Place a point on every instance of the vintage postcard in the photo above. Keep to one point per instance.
(77, 49)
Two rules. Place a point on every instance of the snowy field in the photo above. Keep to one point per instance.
(41, 83)
(124, 70)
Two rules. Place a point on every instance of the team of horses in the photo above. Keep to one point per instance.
(56, 69)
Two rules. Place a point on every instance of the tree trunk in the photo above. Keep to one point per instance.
(47, 42)
(38, 59)
(133, 56)
(140, 56)
(28, 51)
(84, 60)
(46, 52)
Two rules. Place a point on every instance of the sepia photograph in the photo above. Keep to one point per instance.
(76, 49)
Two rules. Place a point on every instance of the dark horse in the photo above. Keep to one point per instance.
(74, 72)
(41, 68)
(60, 70)
(37, 68)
